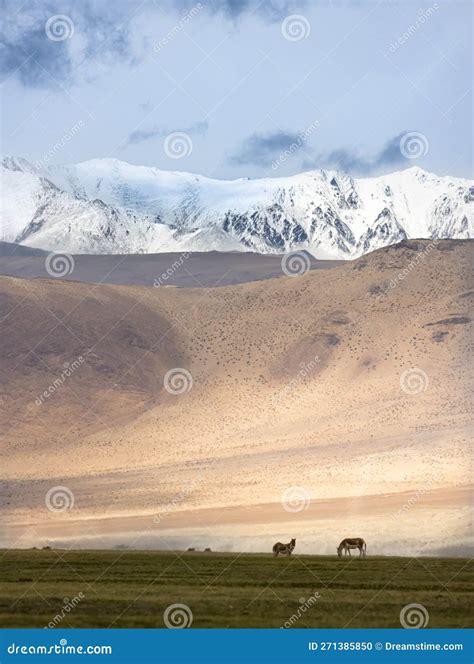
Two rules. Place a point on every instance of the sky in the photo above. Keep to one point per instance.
(239, 88)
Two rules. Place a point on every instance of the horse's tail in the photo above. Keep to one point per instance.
(364, 546)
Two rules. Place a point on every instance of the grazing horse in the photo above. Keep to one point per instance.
(352, 543)
(284, 549)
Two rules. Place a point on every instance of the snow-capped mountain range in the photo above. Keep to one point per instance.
(106, 206)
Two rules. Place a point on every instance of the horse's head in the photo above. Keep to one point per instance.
(293, 542)
(339, 551)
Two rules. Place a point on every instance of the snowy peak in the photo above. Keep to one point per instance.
(109, 206)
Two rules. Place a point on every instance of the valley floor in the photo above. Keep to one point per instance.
(134, 589)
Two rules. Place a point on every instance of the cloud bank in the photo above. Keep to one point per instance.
(262, 149)
(46, 45)
(351, 161)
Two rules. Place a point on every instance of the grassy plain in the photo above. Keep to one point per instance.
(133, 589)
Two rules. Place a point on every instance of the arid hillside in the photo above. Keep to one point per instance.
(334, 403)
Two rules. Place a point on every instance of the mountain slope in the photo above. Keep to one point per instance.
(329, 386)
(108, 206)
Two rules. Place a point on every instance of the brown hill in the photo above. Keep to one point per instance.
(349, 383)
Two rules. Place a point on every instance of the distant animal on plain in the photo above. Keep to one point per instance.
(284, 549)
(191, 549)
(352, 543)
(208, 549)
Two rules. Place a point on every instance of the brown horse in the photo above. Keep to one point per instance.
(284, 549)
(352, 543)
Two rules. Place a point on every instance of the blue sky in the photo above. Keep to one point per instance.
(257, 89)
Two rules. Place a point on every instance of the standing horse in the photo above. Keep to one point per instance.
(352, 543)
(284, 549)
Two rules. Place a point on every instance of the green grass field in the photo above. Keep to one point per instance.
(133, 589)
